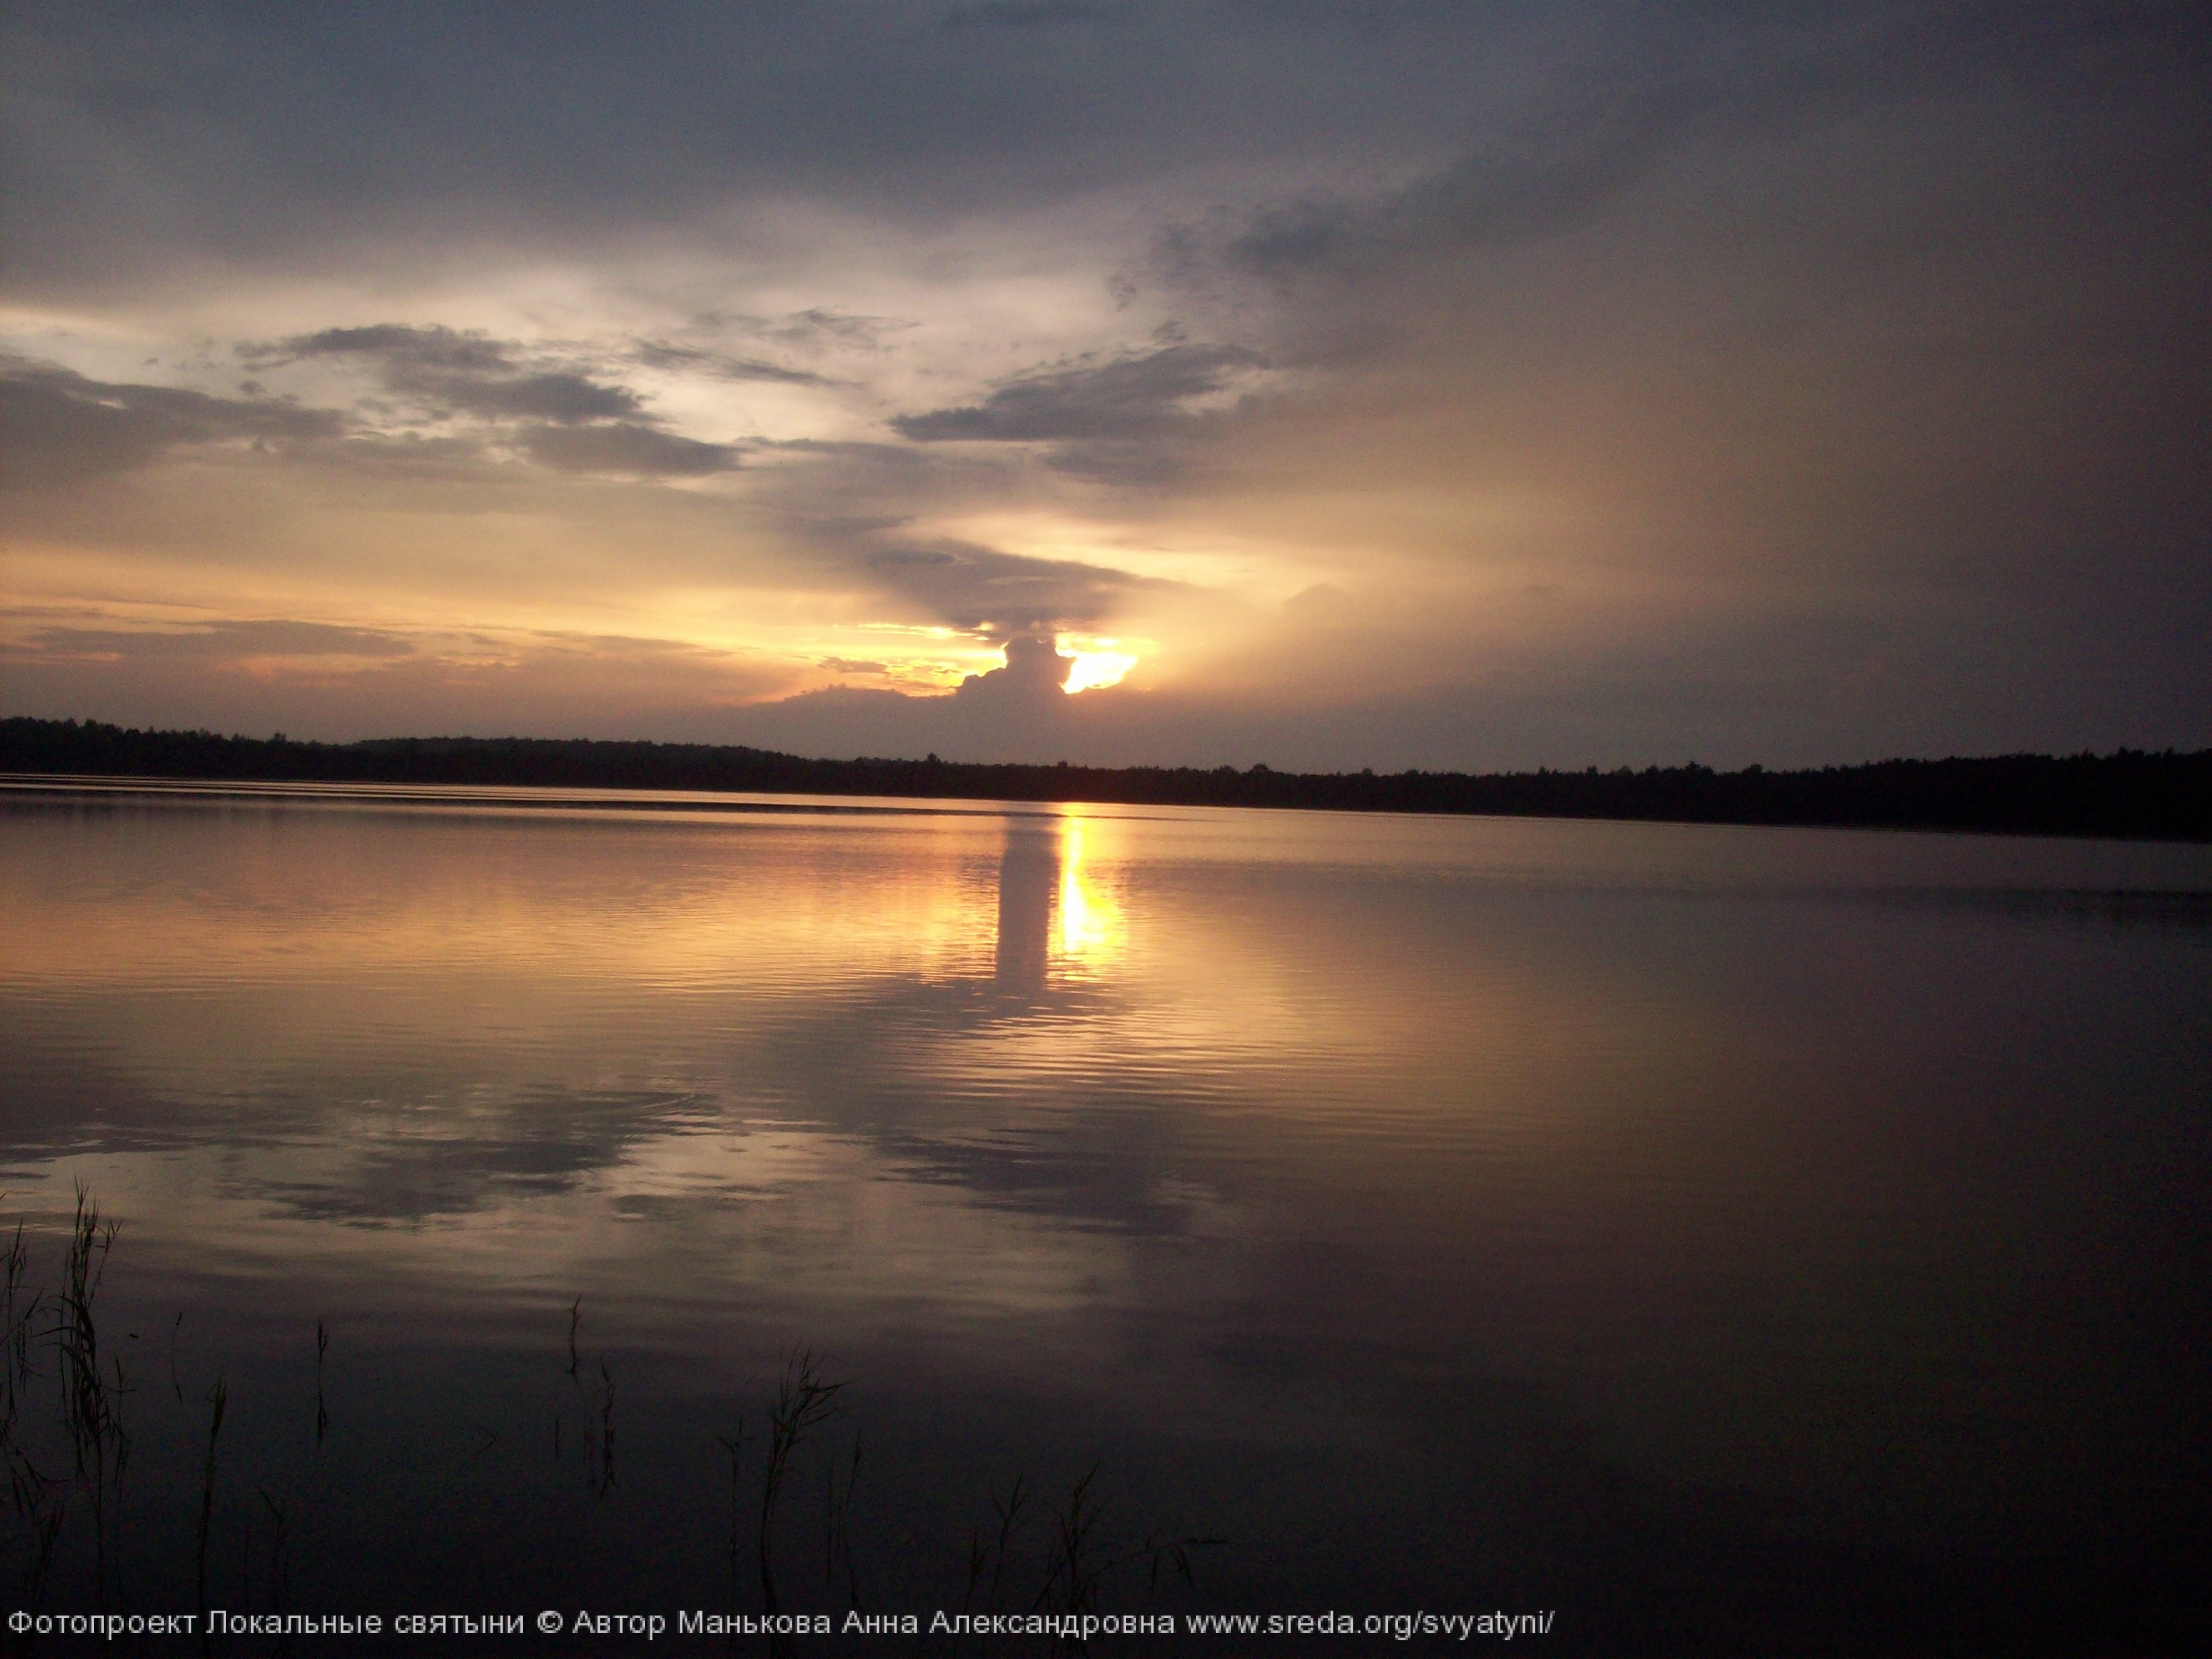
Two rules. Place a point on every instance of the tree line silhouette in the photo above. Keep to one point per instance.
(2165, 794)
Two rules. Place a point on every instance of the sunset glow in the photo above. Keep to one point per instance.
(1395, 403)
(1094, 669)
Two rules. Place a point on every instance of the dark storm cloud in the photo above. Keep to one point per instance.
(1129, 397)
(308, 134)
(1664, 89)
(395, 345)
(1004, 594)
(567, 397)
(1658, 88)
(1126, 422)
(624, 448)
(145, 138)
(61, 428)
(457, 372)
(561, 416)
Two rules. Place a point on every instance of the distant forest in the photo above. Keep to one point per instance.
(2165, 795)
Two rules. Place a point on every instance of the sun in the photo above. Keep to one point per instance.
(1096, 668)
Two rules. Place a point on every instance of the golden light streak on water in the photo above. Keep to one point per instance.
(1092, 929)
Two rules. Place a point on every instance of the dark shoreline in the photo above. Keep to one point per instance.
(2128, 794)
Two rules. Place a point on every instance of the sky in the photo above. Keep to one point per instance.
(1328, 386)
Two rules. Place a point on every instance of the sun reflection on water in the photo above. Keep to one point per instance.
(1091, 930)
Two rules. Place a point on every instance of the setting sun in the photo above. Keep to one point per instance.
(1096, 668)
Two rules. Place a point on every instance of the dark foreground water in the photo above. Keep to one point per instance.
(1723, 1239)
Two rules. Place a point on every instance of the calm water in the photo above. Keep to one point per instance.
(1728, 1239)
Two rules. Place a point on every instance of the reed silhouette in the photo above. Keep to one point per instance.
(1027, 1558)
(218, 1401)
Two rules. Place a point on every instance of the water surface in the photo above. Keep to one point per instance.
(1729, 1237)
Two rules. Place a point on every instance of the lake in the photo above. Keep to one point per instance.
(1714, 1238)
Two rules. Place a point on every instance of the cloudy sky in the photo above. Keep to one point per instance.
(1334, 386)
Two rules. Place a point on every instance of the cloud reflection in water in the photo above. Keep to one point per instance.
(1316, 1129)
